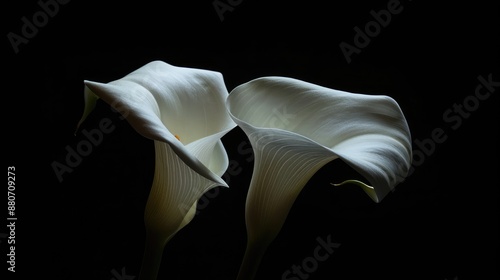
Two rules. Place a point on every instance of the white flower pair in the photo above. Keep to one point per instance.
(294, 127)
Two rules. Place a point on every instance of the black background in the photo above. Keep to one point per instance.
(441, 223)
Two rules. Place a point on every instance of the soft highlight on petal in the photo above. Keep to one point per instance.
(161, 101)
(174, 192)
(368, 132)
(284, 163)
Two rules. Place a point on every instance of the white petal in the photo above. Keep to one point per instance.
(161, 101)
(90, 100)
(171, 204)
(174, 193)
(369, 132)
(284, 163)
(295, 128)
(210, 151)
(183, 111)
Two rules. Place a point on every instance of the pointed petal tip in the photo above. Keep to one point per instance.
(369, 190)
(89, 84)
(86, 82)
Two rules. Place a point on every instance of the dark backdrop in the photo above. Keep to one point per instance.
(441, 223)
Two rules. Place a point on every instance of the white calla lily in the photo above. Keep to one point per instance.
(183, 111)
(295, 128)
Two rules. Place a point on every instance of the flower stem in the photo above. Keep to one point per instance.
(151, 260)
(251, 261)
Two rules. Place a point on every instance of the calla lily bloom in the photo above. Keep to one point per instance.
(295, 128)
(183, 111)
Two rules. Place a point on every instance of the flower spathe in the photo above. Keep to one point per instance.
(183, 111)
(295, 128)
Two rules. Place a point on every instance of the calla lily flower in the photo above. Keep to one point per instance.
(183, 111)
(295, 128)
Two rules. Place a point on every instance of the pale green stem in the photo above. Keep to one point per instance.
(254, 253)
(151, 260)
